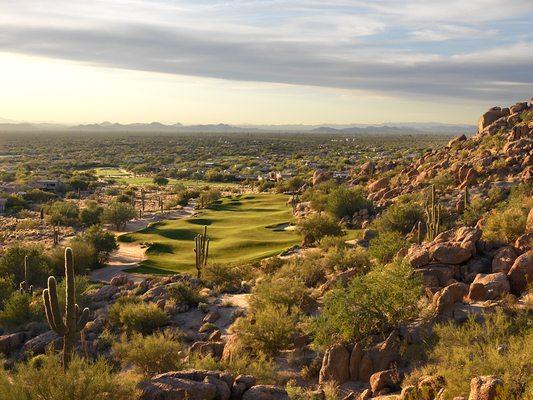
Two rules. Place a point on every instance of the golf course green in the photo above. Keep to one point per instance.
(241, 229)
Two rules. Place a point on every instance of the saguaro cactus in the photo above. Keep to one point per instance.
(73, 320)
(25, 286)
(201, 248)
(432, 216)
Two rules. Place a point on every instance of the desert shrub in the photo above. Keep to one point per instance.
(371, 304)
(443, 180)
(279, 290)
(501, 346)
(385, 246)
(39, 196)
(134, 316)
(226, 277)
(473, 213)
(268, 330)
(63, 213)
(506, 225)
(91, 214)
(85, 258)
(308, 269)
(81, 285)
(19, 309)
(400, 217)
(6, 289)
(346, 258)
(103, 242)
(153, 354)
(184, 293)
(12, 264)
(208, 197)
(118, 214)
(270, 265)
(81, 381)
(318, 194)
(263, 368)
(28, 223)
(345, 202)
(317, 226)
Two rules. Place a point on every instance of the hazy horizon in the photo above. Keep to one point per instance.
(268, 62)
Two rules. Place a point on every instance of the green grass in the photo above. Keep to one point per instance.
(241, 229)
(122, 176)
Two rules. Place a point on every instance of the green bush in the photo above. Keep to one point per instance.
(385, 246)
(226, 277)
(81, 381)
(184, 293)
(19, 309)
(91, 214)
(371, 304)
(400, 217)
(85, 258)
(282, 291)
(268, 330)
(308, 269)
(12, 264)
(118, 214)
(6, 289)
(317, 226)
(346, 258)
(103, 242)
(135, 316)
(506, 225)
(63, 213)
(501, 346)
(344, 202)
(150, 355)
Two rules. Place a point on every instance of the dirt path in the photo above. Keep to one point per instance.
(129, 255)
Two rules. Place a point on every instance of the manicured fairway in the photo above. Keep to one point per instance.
(241, 229)
(123, 176)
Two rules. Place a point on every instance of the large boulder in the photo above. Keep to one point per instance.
(39, 343)
(503, 259)
(102, 294)
(380, 357)
(321, 176)
(496, 284)
(444, 299)
(380, 184)
(11, 342)
(204, 349)
(521, 273)
(335, 365)
(355, 361)
(418, 256)
(265, 392)
(489, 117)
(485, 388)
(450, 253)
(384, 381)
(163, 387)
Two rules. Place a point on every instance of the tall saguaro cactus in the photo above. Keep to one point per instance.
(73, 321)
(432, 216)
(201, 248)
(25, 286)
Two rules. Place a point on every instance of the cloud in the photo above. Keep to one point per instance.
(348, 44)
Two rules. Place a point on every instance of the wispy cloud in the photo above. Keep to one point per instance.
(413, 47)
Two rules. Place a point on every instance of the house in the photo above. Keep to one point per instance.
(50, 185)
(3, 203)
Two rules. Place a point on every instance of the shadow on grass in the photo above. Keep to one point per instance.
(200, 221)
(158, 248)
(177, 234)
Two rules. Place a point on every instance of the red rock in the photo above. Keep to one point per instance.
(449, 253)
(503, 260)
(387, 379)
(521, 273)
(496, 284)
(485, 388)
(335, 365)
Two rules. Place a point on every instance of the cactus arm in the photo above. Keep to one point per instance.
(82, 320)
(48, 311)
(53, 302)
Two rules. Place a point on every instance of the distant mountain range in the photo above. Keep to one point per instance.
(157, 127)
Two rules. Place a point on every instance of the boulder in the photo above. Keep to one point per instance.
(521, 273)
(457, 139)
(39, 343)
(503, 259)
(335, 365)
(265, 392)
(524, 243)
(119, 280)
(102, 294)
(11, 342)
(429, 386)
(477, 292)
(380, 357)
(489, 117)
(529, 223)
(212, 316)
(444, 299)
(387, 379)
(161, 387)
(321, 176)
(203, 349)
(380, 184)
(222, 388)
(449, 253)
(355, 361)
(485, 388)
(418, 256)
(495, 284)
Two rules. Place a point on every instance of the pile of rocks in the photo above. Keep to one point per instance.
(207, 385)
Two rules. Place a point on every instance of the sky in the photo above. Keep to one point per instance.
(263, 61)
